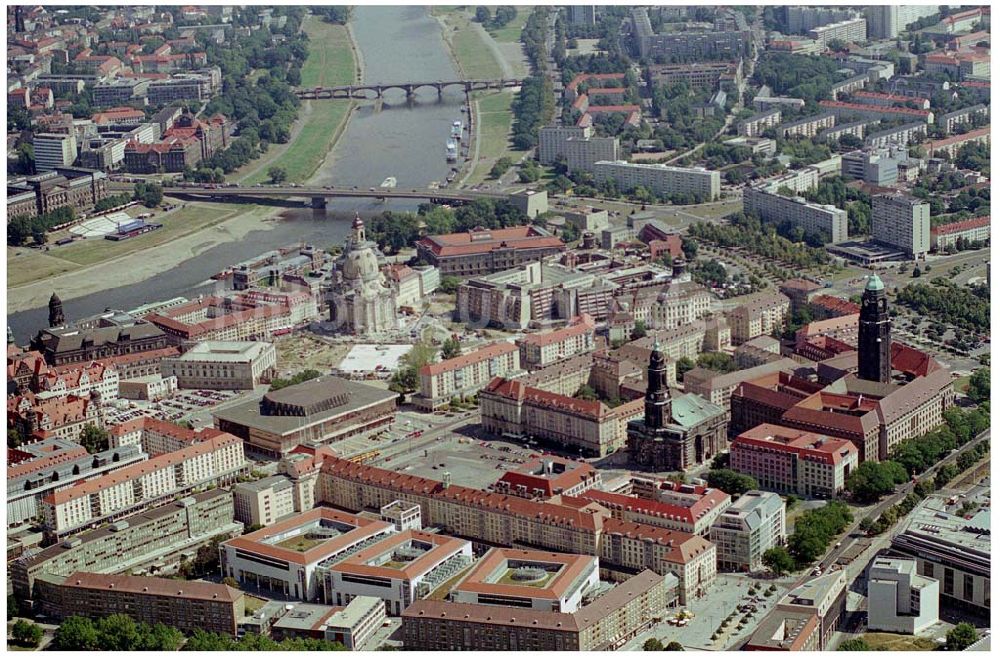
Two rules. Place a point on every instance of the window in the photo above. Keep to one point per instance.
(949, 581)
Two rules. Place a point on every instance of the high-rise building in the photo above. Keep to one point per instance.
(852, 30)
(902, 221)
(887, 21)
(54, 150)
(874, 341)
(582, 14)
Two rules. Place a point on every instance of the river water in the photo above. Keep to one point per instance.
(405, 139)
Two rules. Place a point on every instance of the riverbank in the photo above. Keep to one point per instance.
(334, 59)
(180, 239)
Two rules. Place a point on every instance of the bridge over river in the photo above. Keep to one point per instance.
(377, 89)
(317, 195)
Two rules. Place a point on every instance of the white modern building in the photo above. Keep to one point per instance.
(899, 599)
(264, 502)
(902, 221)
(399, 569)
(775, 208)
(223, 365)
(747, 529)
(661, 179)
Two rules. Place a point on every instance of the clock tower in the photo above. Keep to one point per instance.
(874, 340)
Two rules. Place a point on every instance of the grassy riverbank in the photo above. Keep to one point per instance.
(471, 53)
(495, 119)
(331, 62)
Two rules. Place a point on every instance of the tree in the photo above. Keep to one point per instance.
(585, 392)
(231, 582)
(500, 167)
(76, 633)
(638, 330)
(674, 646)
(916, 271)
(778, 560)
(449, 284)
(117, 632)
(979, 385)
(451, 348)
(26, 633)
(720, 461)
(298, 378)
(731, 482)
(94, 439)
(12, 607)
(684, 364)
(872, 480)
(652, 645)
(277, 174)
(854, 645)
(961, 636)
(482, 15)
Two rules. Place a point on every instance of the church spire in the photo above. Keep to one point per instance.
(358, 229)
(56, 317)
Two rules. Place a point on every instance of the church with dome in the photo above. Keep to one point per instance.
(360, 299)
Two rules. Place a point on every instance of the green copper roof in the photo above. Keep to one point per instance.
(691, 409)
(874, 283)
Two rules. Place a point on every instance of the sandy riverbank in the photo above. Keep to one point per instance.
(133, 269)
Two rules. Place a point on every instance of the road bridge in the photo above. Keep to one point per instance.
(318, 195)
(377, 90)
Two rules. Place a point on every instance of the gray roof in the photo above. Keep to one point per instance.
(279, 483)
(64, 339)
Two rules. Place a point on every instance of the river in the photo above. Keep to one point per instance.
(405, 139)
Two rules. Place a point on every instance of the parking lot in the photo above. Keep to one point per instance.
(182, 405)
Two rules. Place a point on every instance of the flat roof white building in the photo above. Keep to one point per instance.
(661, 179)
(748, 528)
(222, 365)
(900, 600)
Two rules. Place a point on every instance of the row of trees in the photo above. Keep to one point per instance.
(202, 641)
(112, 201)
(815, 529)
(22, 227)
(533, 107)
(298, 378)
(504, 14)
(116, 633)
(731, 482)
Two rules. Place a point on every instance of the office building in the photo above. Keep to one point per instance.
(283, 559)
(794, 461)
(717, 387)
(900, 600)
(952, 550)
(222, 365)
(120, 91)
(189, 606)
(54, 150)
(353, 625)
(902, 221)
(693, 182)
(466, 374)
(876, 166)
(747, 529)
(321, 411)
(399, 569)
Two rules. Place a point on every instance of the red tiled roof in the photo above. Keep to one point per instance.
(958, 139)
(710, 500)
(810, 446)
(531, 476)
(963, 225)
(489, 352)
(154, 586)
(486, 240)
(839, 306)
(577, 325)
(868, 108)
(44, 463)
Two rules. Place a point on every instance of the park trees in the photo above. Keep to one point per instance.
(731, 482)
(778, 560)
(872, 480)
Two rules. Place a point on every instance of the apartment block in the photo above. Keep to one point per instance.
(852, 30)
(159, 536)
(756, 124)
(661, 179)
(465, 375)
(264, 502)
(545, 348)
(902, 221)
(950, 146)
(196, 605)
(552, 141)
(747, 529)
(975, 230)
(951, 120)
(807, 126)
(216, 460)
(902, 135)
(859, 111)
(762, 314)
(694, 513)
(828, 221)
